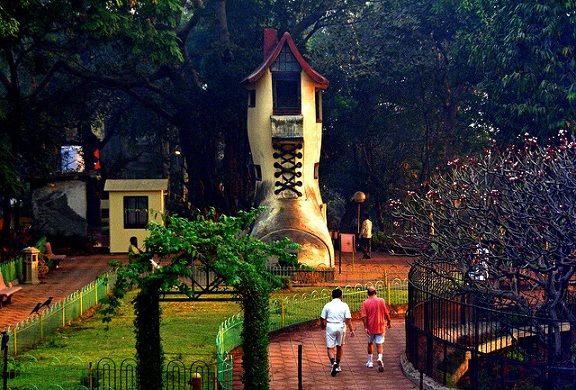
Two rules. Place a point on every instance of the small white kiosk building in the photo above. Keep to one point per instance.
(133, 203)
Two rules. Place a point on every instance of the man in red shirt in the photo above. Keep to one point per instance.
(374, 313)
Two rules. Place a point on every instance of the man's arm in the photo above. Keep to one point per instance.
(323, 316)
(365, 322)
(387, 314)
(349, 324)
(363, 229)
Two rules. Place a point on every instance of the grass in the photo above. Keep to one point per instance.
(188, 329)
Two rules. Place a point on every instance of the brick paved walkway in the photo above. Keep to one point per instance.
(283, 348)
(315, 364)
(74, 273)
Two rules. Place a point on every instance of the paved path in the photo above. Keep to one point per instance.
(315, 364)
(74, 273)
(283, 350)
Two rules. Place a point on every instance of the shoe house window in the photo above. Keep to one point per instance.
(286, 83)
(252, 98)
(318, 105)
(135, 212)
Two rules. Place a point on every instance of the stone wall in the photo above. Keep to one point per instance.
(60, 209)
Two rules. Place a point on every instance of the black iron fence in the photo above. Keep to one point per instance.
(29, 372)
(460, 343)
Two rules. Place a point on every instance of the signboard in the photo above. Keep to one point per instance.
(347, 242)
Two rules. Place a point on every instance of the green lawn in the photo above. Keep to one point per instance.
(188, 328)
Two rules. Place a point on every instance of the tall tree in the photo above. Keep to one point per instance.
(42, 45)
(527, 53)
(402, 95)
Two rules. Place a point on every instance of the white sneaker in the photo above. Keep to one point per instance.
(369, 364)
(334, 369)
(380, 365)
(338, 369)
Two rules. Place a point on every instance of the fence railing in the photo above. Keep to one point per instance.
(194, 372)
(298, 310)
(28, 333)
(460, 343)
(12, 270)
(302, 276)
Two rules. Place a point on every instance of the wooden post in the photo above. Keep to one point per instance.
(14, 344)
(90, 376)
(299, 366)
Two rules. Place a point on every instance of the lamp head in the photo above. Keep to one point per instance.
(359, 197)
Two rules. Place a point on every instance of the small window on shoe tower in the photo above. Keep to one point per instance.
(286, 84)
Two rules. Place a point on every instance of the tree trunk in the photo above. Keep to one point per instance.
(255, 339)
(7, 218)
(147, 328)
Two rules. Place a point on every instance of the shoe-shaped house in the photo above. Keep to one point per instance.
(285, 134)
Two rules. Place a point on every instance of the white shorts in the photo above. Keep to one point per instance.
(335, 334)
(377, 338)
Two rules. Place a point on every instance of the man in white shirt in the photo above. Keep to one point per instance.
(334, 318)
(366, 237)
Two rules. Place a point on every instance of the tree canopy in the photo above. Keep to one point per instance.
(412, 84)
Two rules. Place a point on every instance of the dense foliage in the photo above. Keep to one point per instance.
(413, 84)
(526, 52)
(509, 214)
(222, 245)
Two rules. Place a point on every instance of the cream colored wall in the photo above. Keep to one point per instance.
(120, 237)
(259, 127)
(312, 134)
(260, 134)
(307, 213)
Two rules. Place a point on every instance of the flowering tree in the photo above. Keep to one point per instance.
(513, 212)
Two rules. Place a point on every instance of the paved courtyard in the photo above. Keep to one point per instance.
(315, 364)
(74, 273)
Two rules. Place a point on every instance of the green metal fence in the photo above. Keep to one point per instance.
(28, 333)
(194, 372)
(12, 270)
(297, 310)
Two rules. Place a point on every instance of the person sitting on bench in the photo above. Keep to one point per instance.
(51, 256)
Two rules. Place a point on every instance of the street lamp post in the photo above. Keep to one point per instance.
(358, 197)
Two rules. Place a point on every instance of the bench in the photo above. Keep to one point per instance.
(56, 259)
(6, 292)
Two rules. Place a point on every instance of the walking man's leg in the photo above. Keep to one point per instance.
(380, 349)
(369, 247)
(331, 355)
(370, 350)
